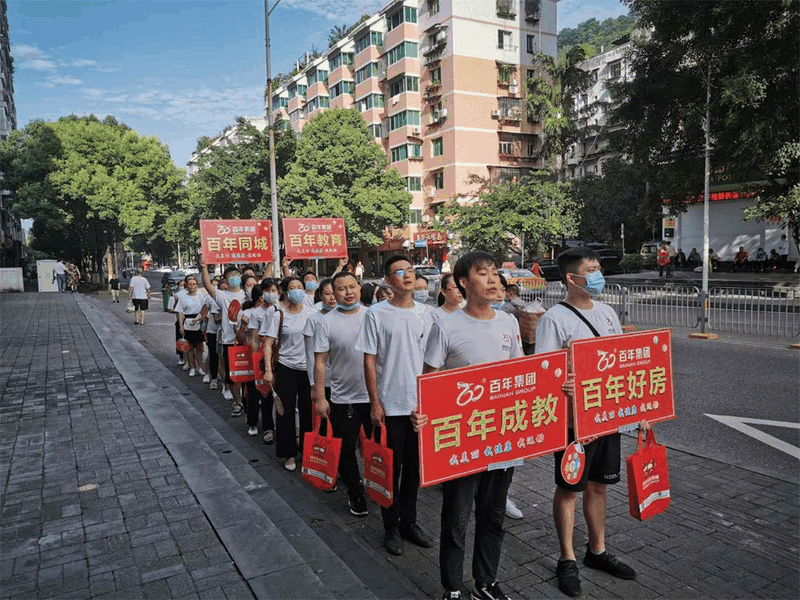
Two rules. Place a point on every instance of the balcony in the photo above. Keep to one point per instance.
(506, 9)
(533, 11)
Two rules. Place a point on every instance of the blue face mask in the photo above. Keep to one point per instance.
(346, 308)
(497, 304)
(270, 298)
(311, 285)
(594, 284)
(421, 295)
(296, 296)
(234, 281)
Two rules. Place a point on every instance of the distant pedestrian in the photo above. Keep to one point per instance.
(664, 260)
(60, 275)
(783, 251)
(113, 287)
(694, 259)
(740, 259)
(761, 260)
(139, 293)
(360, 271)
(774, 259)
(680, 258)
(73, 277)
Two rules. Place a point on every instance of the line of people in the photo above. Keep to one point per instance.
(350, 355)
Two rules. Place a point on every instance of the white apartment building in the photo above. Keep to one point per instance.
(231, 135)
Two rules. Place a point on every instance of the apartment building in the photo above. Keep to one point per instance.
(231, 135)
(441, 85)
(8, 111)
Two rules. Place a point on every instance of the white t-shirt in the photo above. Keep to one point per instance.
(293, 349)
(459, 340)
(308, 300)
(559, 325)
(138, 287)
(337, 334)
(308, 342)
(213, 309)
(439, 313)
(173, 301)
(59, 268)
(257, 316)
(397, 337)
(227, 333)
(188, 304)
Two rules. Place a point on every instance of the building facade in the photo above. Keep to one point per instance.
(231, 135)
(441, 85)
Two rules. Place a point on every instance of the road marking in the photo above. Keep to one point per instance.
(738, 423)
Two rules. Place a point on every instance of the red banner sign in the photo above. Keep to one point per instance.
(314, 238)
(491, 416)
(241, 241)
(621, 380)
(432, 237)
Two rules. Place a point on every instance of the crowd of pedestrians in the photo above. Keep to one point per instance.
(345, 354)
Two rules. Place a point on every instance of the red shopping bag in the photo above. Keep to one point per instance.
(240, 363)
(321, 458)
(258, 372)
(648, 479)
(378, 463)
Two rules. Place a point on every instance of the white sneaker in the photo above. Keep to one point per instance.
(512, 512)
(206, 378)
(252, 431)
(227, 394)
(186, 367)
(213, 385)
(192, 372)
(201, 372)
(180, 360)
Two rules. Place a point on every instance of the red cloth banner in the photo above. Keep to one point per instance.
(491, 416)
(314, 238)
(229, 241)
(433, 237)
(621, 380)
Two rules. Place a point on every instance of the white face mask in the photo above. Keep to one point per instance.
(421, 295)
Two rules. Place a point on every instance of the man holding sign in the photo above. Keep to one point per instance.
(581, 316)
(475, 335)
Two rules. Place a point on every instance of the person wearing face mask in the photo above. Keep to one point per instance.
(421, 293)
(290, 379)
(263, 310)
(325, 302)
(311, 285)
(582, 316)
(345, 402)
(188, 310)
(248, 282)
(212, 328)
(227, 330)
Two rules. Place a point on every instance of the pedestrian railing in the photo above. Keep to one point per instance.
(761, 311)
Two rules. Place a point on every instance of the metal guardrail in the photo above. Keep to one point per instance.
(760, 311)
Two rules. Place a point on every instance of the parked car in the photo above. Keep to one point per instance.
(529, 284)
(172, 278)
(430, 273)
(550, 269)
(649, 249)
(609, 260)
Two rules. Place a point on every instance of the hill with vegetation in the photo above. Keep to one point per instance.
(596, 36)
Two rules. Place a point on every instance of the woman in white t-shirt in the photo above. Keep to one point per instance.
(188, 307)
(290, 379)
(270, 297)
(213, 319)
(171, 305)
(449, 299)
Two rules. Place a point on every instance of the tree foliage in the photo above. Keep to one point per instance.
(537, 207)
(87, 183)
(594, 35)
(749, 50)
(340, 171)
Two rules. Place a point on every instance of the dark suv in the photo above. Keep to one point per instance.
(172, 278)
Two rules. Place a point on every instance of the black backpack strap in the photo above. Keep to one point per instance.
(581, 317)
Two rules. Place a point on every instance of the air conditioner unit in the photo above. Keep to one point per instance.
(495, 114)
(395, 100)
(415, 131)
(430, 192)
(442, 114)
(512, 89)
(426, 218)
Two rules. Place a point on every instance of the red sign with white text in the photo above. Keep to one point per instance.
(621, 380)
(491, 416)
(433, 237)
(314, 238)
(236, 241)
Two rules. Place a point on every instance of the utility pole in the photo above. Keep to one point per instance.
(271, 126)
(706, 184)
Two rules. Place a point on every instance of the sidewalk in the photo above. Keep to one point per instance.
(188, 505)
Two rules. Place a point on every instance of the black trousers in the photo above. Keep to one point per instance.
(213, 357)
(488, 491)
(347, 421)
(256, 400)
(295, 392)
(404, 442)
(177, 337)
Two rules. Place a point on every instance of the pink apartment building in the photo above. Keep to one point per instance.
(441, 84)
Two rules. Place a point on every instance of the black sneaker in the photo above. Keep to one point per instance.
(393, 542)
(488, 592)
(452, 595)
(608, 563)
(569, 580)
(358, 505)
(416, 536)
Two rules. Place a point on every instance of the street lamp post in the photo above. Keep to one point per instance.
(706, 184)
(271, 126)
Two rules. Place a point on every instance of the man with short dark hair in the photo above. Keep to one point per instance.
(60, 275)
(139, 293)
(581, 316)
(393, 340)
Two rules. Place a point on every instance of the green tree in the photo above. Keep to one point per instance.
(594, 35)
(341, 172)
(552, 91)
(537, 207)
(336, 33)
(748, 51)
(87, 184)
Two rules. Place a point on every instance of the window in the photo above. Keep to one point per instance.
(301, 90)
(531, 43)
(410, 14)
(414, 184)
(584, 99)
(415, 150)
(406, 14)
(433, 6)
(615, 70)
(510, 107)
(506, 147)
(531, 149)
(370, 102)
(506, 9)
(364, 73)
(399, 153)
(438, 180)
(292, 92)
(280, 102)
(403, 119)
(403, 50)
(343, 87)
(507, 174)
(312, 105)
(324, 101)
(436, 75)
(371, 38)
(375, 128)
(505, 73)
(437, 147)
(416, 213)
(504, 39)
(403, 83)
(594, 75)
(319, 76)
(343, 58)
(531, 74)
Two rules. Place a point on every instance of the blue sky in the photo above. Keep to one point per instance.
(176, 69)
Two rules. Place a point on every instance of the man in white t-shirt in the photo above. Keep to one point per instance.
(581, 316)
(393, 340)
(226, 335)
(336, 357)
(139, 292)
(474, 335)
(60, 274)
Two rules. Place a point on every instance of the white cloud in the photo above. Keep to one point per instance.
(82, 62)
(32, 57)
(337, 10)
(61, 80)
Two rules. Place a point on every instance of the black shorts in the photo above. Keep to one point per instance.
(193, 337)
(601, 466)
(227, 370)
(140, 303)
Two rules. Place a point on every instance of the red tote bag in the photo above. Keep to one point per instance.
(321, 458)
(378, 463)
(240, 361)
(648, 479)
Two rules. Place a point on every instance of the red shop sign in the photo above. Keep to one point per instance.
(621, 380)
(431, 236)
(236, 241)
(491, 416)
(314, 238)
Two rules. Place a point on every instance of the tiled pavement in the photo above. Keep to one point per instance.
(188, 505)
